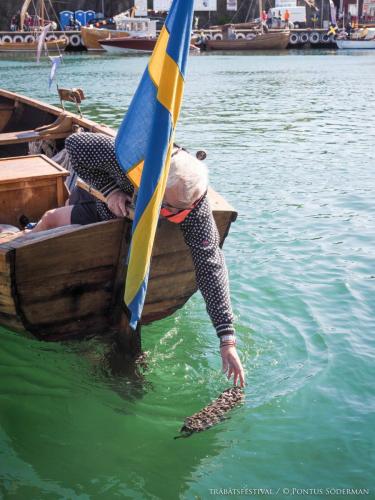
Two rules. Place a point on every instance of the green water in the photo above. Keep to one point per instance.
(290, 144)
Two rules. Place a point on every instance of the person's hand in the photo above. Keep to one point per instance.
(232, 364)
(118, 202)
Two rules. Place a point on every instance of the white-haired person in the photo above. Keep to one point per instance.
(185, 203)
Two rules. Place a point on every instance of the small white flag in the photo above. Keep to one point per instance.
(55, 60)
(41, 40)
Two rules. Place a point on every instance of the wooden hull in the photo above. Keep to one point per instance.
(265, 41)
(91, 36)
(68, 282)
(32, 46)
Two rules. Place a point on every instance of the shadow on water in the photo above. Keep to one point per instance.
(77, 422)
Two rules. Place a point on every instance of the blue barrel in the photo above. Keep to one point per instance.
(80, 16)
(64, 17)
(90, 15)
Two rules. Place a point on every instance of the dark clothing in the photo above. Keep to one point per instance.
(93, 158)
(84, 207)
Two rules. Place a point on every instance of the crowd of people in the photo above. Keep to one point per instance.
(30, 23)
(271, 20)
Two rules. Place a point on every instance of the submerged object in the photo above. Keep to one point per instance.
(213, 413)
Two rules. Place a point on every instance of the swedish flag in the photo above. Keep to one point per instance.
(145, 140)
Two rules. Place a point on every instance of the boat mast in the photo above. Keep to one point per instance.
(42, 13)
(260, 16)
(24, 8)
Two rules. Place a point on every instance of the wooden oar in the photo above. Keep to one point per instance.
(100, 196)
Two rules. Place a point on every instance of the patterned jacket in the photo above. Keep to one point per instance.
(93, 158)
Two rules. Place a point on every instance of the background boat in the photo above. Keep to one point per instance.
(355, 44)
(253, 41)
(125, 27)
(121, 45)
(131, 45)
(31, 46)
(68, 282)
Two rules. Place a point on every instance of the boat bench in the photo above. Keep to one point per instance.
(28, 136)
(59, 129)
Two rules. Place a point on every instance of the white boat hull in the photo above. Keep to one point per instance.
(121, 50)
(355, 44)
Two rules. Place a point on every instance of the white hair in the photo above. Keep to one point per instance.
(188, 178)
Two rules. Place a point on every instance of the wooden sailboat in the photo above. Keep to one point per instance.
(256, 39)
(68, 282)
(29, 41)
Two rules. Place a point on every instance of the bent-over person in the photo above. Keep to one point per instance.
(185, 202)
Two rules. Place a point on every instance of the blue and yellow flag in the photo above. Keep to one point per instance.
(145, 140)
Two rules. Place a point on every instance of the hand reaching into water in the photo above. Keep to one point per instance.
(232, 364)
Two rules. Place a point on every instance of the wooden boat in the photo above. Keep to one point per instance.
(125, 27)
(91, 36)
(131, 45)
(68, 282)
(251, 41)
(27, 41)
(52, 46)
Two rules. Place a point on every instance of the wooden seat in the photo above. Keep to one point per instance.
(59, 129)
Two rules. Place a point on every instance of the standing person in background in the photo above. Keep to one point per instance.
(269, 18)
(286, 18)
(13, 24)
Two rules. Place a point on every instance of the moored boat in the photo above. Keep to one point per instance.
(68, 282)
(27, 41)
(121, 45)
(31, 46)
(356, 44)
(363, 38)
(125, 27)
(131, 45)
(251, 41)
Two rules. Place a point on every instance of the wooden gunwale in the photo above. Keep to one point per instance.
(86, 123)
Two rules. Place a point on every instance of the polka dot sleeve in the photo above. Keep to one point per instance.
(93, 158)
(202, 237)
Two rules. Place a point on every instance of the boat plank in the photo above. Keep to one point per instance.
(40, 289)
(68, 308)
(88, 247)
(173, 286)
(171, 263)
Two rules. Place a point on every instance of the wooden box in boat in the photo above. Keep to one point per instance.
(29, 186)
(68, 282)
